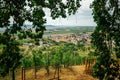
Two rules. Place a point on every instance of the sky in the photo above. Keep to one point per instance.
(82, 18)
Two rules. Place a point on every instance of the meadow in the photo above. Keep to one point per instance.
(70, 30)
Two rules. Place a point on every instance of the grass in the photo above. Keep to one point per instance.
(70, 73)
(25, 41)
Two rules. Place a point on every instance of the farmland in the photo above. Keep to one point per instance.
(66, 30)
(72, 52)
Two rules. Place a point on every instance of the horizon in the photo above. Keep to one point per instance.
(57, 25)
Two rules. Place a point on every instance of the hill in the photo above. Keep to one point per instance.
(71, 73)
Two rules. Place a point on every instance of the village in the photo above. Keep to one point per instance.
(71, 37)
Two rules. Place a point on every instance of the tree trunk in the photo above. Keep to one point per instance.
(13, 74)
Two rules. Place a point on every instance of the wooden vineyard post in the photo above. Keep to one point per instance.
(89, 63)
(35, 73)
(86, 66)
(57, 69)
(55, 73)
(23, 74)
(94, 61)
(58, 72)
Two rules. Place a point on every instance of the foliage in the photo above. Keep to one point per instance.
(33, 11)
(67, 59)
(56, 58)
(74, 30)
(14, 13)
(106, 14)
(33, 58)
(81, 44)
(10, 57)
(37, 57)
(62, 54)
(27, 62)
(47, 61)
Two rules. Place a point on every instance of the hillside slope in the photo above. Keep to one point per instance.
(71, 73)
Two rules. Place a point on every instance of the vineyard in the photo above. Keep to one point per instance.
(77, 72)
(56, 61)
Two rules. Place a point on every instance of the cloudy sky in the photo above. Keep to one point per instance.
(83, 17)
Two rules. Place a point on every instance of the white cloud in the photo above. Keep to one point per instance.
(83, 17)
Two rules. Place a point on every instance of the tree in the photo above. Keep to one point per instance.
(14, 13)
(106, 14)
(10, 57)
(33, 11)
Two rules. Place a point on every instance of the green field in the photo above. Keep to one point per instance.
(70, 30)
